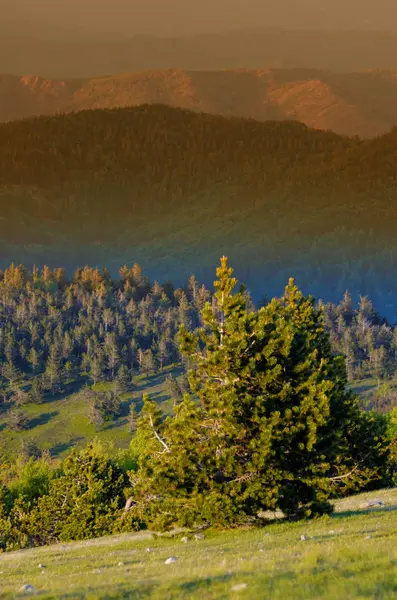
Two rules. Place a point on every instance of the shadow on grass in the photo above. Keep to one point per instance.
(66, 391)
(157, 378)
(125, 407)
(2, 427)
(43, 419)
(363, 511)
(203, 583)
(63, 446)
(364, 388)
(116, 592)
(159, 397)
(150, 381)
(115, 424)
(138, 403)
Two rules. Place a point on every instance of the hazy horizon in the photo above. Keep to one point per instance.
(126, 18)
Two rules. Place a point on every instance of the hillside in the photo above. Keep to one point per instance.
(62, 56)
(348, 103)
(61, 422)
(349, 554)
(174, 190)
(61, 384)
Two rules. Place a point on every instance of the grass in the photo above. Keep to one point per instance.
(369, 387)
(351, 554)
(364, 388)
(62, 422)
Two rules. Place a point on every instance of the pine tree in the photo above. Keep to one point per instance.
(274, 428)
(97, 365)
(132, 418)
(110, 405)
(29, 450)
(112, 352)
(10, 372)
(162, 353)
(34, 360)
(18, 420)
(20, 395)
(148, 363)
(95, 416)
(53, 371)
(174, 389)
(123, 379)
(36, 391)
(379, 363)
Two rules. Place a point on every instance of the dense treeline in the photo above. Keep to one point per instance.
(266, 421)
(159, 146)
(369, 344)
(92, 328)
(280, 198)
(54, 331)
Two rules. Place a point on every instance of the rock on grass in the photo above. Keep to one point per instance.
(239, 587)
(28, 589)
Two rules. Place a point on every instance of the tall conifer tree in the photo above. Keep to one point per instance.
(270, 424)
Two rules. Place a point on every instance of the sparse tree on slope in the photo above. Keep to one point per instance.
(54, 368)
(18, 420)
(123, 379)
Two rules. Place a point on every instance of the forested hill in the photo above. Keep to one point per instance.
(174, 190)
(362, 103)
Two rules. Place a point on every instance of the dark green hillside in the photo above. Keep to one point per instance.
(174, 190)
(157, 144)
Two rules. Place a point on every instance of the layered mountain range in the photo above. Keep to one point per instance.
(362, 103)
(174, 189)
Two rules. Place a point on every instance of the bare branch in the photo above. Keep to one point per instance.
(246, 477)
(340, 477)
(129, 503)
(157, 435)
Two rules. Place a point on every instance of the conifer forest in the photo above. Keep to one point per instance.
(287, 366)
(198, 299)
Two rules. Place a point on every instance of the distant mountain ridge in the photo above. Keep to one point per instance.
(121, 18)
(345, 51)
(362, 103)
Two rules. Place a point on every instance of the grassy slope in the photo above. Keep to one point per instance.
(60, 423)
(349, 555)
(365, 388)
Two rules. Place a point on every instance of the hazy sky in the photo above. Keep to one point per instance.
(175, 17)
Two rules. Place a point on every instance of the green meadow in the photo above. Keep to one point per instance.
(351, 554)
(62, 422)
